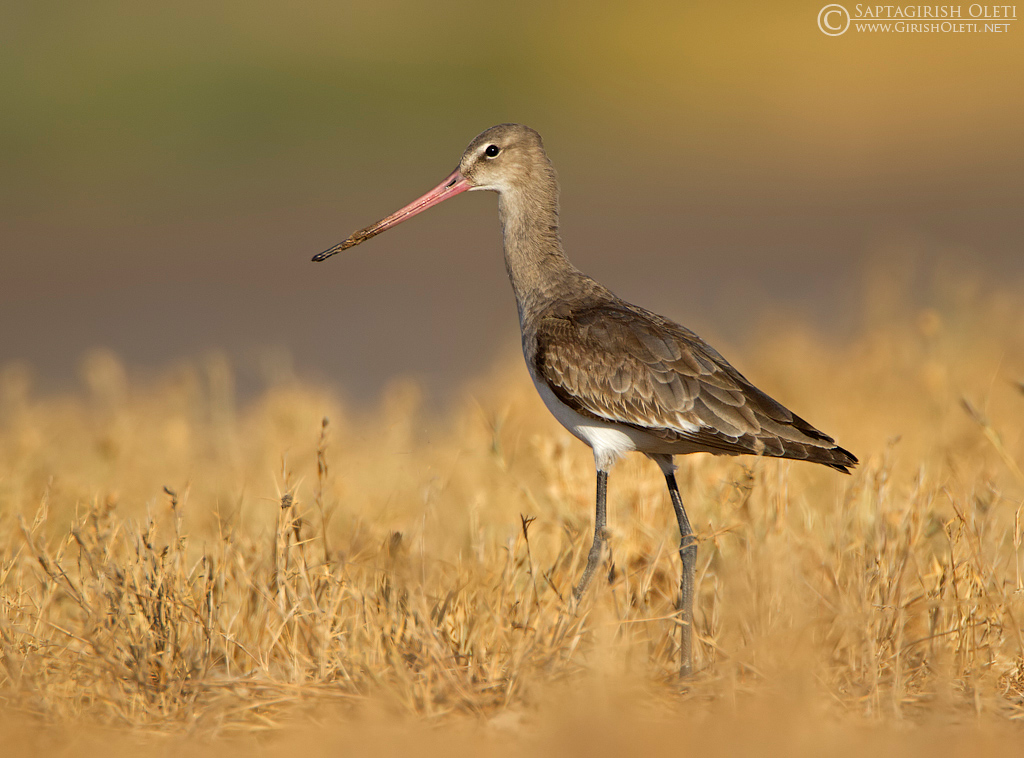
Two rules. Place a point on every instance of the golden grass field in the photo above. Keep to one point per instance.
(180, 569)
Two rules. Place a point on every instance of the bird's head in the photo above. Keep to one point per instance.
(505, 158)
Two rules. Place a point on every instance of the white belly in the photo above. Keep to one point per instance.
(610, 441)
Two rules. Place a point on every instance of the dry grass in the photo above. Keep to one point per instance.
(177, 566)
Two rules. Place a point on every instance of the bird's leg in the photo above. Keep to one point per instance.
(600, 536)
(688, 554)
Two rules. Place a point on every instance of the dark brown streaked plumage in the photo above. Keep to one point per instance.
(618, 377)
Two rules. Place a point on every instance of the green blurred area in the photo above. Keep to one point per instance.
(100, 94)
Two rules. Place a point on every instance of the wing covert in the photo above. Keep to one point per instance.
(626, 365)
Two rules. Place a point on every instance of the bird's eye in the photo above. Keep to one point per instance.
(492, 151)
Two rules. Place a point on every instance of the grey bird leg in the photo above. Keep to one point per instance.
(688, 554)
(600, 536)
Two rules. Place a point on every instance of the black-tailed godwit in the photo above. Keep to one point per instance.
(618, 377)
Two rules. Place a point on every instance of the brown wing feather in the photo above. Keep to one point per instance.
(621, 363)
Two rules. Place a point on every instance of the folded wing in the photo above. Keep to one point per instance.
(623, 364)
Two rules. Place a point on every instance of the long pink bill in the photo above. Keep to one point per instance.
(453, 184)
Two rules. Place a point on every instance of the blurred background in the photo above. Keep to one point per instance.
(168, 169)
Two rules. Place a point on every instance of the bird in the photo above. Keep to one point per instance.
(617, 376)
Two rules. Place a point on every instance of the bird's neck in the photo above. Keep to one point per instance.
(534, 259)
